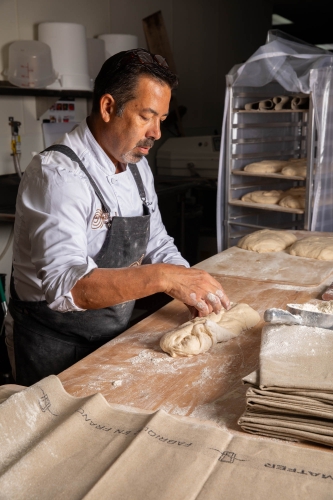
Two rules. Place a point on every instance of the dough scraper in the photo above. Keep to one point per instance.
(296, 315)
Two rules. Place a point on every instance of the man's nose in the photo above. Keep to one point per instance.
(154, 130)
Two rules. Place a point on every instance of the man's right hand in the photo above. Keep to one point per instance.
(107, 287)
(195, 288)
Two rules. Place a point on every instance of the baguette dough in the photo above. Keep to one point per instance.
(314, 247)
(267, 240)
(266, 197)
(198, 335)
(265, 166)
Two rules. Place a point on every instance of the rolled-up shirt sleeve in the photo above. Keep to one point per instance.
(57, 216)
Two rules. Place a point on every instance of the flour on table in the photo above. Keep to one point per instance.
(200, 334)
(313, 247)
(267, 240)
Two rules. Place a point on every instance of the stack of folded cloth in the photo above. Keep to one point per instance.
(291, 396)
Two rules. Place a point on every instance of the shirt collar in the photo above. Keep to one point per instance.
(96, 150)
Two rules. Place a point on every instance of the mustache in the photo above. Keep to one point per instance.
(146, 143)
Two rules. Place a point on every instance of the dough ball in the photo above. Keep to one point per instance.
(266, 197)
(314, 247)
(296, 191)
(265, 166)
(198, 335)
(291, 201)
(291, 169)
(267, 240)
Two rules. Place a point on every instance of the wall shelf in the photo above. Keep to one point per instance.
(44, 97)
(7, 88)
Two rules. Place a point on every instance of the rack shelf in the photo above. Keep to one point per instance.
(273, 176)
(44, 97)
(270, 111)
(266, 206)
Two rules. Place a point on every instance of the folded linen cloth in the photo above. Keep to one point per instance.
(258, 401)
(291, 395)
(296, 356)
(282, 428)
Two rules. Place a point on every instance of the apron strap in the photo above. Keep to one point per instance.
(61, 148)
(138, 180)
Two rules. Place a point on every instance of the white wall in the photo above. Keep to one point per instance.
(207, 37)
(18, 21)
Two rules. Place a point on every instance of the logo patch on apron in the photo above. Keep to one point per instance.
(137, 262)
(100, 218)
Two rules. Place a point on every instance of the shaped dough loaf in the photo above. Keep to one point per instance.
(290, 170)
(270, 197)
(265, 166)
(293, 198)
(292, 201)
(314, 247)
(200, 334)
(267, 240)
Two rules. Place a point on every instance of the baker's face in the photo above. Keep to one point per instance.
(129, 137)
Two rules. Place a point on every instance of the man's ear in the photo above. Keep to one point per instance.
(107, 106)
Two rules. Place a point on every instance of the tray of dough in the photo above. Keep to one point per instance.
(276, 176)
(266, 206)
(272, 267)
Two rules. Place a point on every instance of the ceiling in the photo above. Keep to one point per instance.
(312, 19)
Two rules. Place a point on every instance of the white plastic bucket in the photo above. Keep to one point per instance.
(96, 56)
(30, 64)
(115, 43)
(69, 54)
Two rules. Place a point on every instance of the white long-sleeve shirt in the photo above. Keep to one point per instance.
(55, 240)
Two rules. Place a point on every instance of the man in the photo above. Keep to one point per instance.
(89, 239)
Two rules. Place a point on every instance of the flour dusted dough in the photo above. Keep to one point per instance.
(266, 197)
(314, 247)
(265, 166)
(299, 170)
(198, 335)
(292, 201)
(293, 198)
(267, 240)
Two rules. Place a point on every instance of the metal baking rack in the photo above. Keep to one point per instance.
(265, 135)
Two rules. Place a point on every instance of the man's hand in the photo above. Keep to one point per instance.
(108, 287)
(196, 288)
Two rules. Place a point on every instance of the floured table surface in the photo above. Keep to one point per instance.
(132, 370)
(274, 267)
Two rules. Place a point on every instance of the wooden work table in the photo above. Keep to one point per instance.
(132, 370)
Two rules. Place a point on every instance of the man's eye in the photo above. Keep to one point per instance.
(144, 118)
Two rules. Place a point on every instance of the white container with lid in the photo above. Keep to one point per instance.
(96, 56)
(30, 64)
(69, 54)
(115, 43)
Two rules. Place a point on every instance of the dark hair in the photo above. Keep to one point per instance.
(119, 74)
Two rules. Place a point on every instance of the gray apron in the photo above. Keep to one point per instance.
(47, 342)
